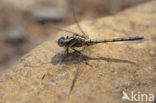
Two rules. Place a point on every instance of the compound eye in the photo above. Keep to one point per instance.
(61, 42)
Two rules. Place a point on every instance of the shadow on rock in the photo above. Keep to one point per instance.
(74, 58)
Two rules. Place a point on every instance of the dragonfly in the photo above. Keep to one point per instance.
(77, 40)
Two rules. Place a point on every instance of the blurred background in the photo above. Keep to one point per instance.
(24, 24)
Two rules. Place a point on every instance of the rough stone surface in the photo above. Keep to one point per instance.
(41, 76)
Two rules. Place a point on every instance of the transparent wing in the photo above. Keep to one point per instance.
(77, 23)
(60, 29)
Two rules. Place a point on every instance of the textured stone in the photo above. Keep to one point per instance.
(41, 76)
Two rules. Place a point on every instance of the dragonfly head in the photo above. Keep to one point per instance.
(61, 41)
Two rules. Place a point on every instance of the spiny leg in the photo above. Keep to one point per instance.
(76, 51)
(81, 56)
(67, 51)
(67, 48)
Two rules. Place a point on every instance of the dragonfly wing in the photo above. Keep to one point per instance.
(78, 25)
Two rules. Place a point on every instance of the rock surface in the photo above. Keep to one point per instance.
(106, 70)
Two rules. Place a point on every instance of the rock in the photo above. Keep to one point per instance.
(104, 73)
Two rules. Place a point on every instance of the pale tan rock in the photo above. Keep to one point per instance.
(112, 68)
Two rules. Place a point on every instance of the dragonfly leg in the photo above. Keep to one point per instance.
(67, 51)
(76, 51)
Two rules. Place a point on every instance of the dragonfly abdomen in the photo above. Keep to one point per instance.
(115, 40)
